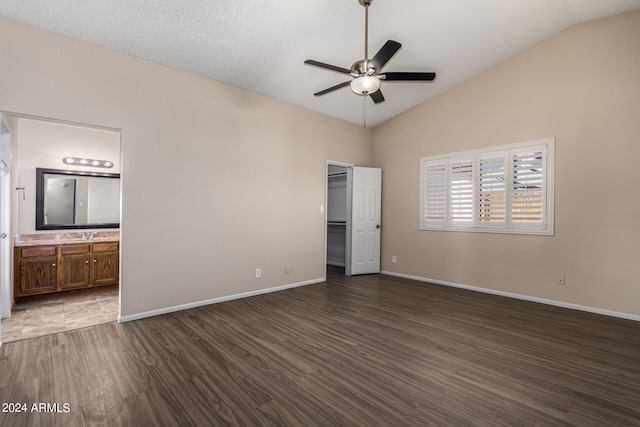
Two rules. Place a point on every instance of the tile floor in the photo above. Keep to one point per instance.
(50, 314)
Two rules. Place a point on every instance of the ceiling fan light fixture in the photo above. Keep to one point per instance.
(365, 85)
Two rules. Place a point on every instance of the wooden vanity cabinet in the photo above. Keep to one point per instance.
(53, 268)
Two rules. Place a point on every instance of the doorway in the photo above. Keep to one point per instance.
(338, 246)
(48, 143)
(353, 218)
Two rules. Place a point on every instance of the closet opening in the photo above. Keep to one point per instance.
(338, 218)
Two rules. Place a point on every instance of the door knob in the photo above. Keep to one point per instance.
(3, 235)
(378, 226)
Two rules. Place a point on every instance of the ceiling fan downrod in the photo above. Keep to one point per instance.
(366, 4)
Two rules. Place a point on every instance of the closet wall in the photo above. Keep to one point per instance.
(337, 215)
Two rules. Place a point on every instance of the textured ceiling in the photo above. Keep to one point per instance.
(261, 46)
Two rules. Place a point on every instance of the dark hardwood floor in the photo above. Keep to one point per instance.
(361, 351)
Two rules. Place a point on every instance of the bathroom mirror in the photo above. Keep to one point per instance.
(75, 199)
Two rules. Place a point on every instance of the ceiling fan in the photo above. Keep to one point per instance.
(367, 72)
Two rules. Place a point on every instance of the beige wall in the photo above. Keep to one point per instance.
(43, 144)
(581, 86)
(217, 181)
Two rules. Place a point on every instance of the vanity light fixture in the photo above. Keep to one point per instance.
(88, 162)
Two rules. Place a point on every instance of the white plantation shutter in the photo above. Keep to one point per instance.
(527, 186)
(461, 191)
(506, 189)
(434, 193)
(492, 189)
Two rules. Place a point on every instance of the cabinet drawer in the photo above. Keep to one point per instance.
(74, 249)
(38, 251)
(105, 247)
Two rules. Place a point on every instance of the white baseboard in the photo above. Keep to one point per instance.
(519, 296)
(137, 316)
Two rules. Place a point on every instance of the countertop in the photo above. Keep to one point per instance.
(65, 238)
(65, 241)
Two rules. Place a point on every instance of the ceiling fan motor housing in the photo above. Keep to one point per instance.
(362, 67)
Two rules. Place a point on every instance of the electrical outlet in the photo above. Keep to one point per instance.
(394, 259)
(561, 279)
(258, 273)
(287, 270)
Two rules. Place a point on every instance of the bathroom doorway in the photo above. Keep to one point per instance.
(74, 149)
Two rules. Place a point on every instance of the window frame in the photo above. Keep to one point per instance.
(509, 225)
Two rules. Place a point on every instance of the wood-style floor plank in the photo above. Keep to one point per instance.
(369, 350)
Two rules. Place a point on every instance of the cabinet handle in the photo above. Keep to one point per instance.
(94, 261)
(53, 265)
(87, 262)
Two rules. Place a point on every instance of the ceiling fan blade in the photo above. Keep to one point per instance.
(332, 88)
(385, 53)
(377, 96)
(408, 77)
(327, 66)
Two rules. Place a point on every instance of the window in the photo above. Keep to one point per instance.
(507, 189)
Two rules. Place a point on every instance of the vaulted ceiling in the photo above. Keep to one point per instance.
(262, 46)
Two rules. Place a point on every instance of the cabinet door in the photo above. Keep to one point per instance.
(74, 266)
(105, 268)
(38, 275)
(74, 271)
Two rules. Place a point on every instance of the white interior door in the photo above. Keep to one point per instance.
(6, 296)
(365, 220)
